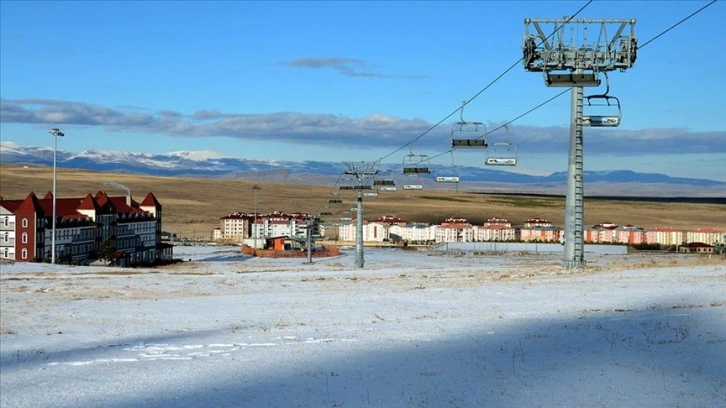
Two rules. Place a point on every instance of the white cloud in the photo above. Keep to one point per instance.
(377, 130)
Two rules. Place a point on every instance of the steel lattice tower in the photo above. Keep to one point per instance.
(363, 173)
(577, 62)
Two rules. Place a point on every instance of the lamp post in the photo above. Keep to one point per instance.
(55, 132)
(254, 225)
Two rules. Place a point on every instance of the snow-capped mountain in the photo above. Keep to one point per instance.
(214, 164)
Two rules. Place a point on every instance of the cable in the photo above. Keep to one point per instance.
(539, 105)
(640, 47)
(478, 93)
(505, 124)
(545, 102)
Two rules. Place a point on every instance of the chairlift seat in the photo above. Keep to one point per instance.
(601, 121)
(416, 170)
(447, 179)
(384, 182)
(473, 143)
(501, 161)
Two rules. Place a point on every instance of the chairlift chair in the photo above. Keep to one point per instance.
(468, 134)
(603, 102)
(448, 174)
(501, 154)
(416, 165)
(384, 181)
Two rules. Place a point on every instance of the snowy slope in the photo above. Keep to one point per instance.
(410, 329)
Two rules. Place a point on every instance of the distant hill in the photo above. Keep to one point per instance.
(216, 165)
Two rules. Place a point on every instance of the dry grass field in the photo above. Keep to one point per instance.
(193, 206)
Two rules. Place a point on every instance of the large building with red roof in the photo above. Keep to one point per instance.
(82, 224)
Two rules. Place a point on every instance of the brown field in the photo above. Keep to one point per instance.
(193, 206)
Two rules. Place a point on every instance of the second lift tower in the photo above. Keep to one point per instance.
(577, 62)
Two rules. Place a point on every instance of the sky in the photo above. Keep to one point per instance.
(354, 81)
(411, 329)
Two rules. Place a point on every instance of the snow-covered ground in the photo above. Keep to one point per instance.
(411, 329)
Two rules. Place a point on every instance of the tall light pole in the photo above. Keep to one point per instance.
(55, 132)
(254, 226)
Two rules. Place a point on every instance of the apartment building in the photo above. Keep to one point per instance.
(237, 227)
(495, 229)
(709, 236)
(455, 230)
(82, 224)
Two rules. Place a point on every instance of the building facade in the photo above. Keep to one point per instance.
(82, 225)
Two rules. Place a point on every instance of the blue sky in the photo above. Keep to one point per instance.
(352, 81)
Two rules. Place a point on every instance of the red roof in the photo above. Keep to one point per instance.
(150, 201)
(31, 204)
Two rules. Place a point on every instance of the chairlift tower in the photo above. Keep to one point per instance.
(363, 173)
(577, 62)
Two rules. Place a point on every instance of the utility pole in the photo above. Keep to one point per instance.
(579, 65)
(363, 173)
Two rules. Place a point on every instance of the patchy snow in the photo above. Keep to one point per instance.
(411, 329)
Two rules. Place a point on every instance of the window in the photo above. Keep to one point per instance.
(25, 223)
(25, 238)
(25, 253)
(6, 221)
(5, 237)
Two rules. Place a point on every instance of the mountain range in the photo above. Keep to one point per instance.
(213, 164)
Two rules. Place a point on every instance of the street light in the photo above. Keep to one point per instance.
(254, 225)
(55, 132)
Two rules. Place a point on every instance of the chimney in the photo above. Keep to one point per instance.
(128, 198)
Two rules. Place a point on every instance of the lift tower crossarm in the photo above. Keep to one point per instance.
(553, 53)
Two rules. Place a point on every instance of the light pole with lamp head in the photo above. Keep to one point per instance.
(255, 230)
(55, 132)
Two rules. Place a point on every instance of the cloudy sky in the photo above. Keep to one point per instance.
(354, 81)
